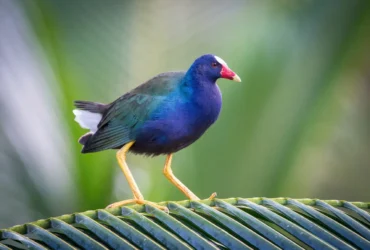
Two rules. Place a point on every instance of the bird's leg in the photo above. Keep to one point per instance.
(121, 158)
(138, 197)
(172, 178)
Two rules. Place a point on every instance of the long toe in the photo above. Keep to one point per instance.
(122, 203)
(140, 202)
(153, 204)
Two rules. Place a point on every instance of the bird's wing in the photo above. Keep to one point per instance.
(130, 111)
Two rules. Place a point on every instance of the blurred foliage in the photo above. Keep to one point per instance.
(298, 124)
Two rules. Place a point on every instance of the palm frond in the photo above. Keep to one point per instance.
(234, 223)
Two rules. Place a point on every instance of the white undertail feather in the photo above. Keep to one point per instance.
(87, 119)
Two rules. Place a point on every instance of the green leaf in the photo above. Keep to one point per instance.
(235, 223)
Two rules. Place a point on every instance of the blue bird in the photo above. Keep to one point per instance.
(161, 116)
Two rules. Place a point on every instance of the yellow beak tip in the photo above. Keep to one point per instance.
(236, 78)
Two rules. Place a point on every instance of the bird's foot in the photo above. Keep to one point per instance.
(193, 197)
(137, 201)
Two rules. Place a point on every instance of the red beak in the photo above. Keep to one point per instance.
(227, 73)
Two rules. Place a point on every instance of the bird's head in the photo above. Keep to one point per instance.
(213, 67)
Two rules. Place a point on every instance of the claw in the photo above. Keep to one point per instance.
(213, 195)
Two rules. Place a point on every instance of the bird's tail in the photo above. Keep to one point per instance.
(93, 107)
(88, 115)
(83, 139)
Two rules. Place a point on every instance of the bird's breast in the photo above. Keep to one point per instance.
(204, 109)
(178, 123)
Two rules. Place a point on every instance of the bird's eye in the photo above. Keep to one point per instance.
(214, 64)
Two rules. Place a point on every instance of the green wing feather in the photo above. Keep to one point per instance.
(130, 111)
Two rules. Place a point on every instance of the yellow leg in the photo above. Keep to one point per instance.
(138, 197)
(172, 178)
(121, 158)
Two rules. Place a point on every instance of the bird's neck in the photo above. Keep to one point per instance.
(203, 92)
(204, 100)
(197, 74)
(195, 81)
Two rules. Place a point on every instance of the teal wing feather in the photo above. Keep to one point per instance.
(130, 111)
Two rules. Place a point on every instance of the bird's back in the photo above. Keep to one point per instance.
(122, 118)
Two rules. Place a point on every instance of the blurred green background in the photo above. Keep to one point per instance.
(297, 126)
